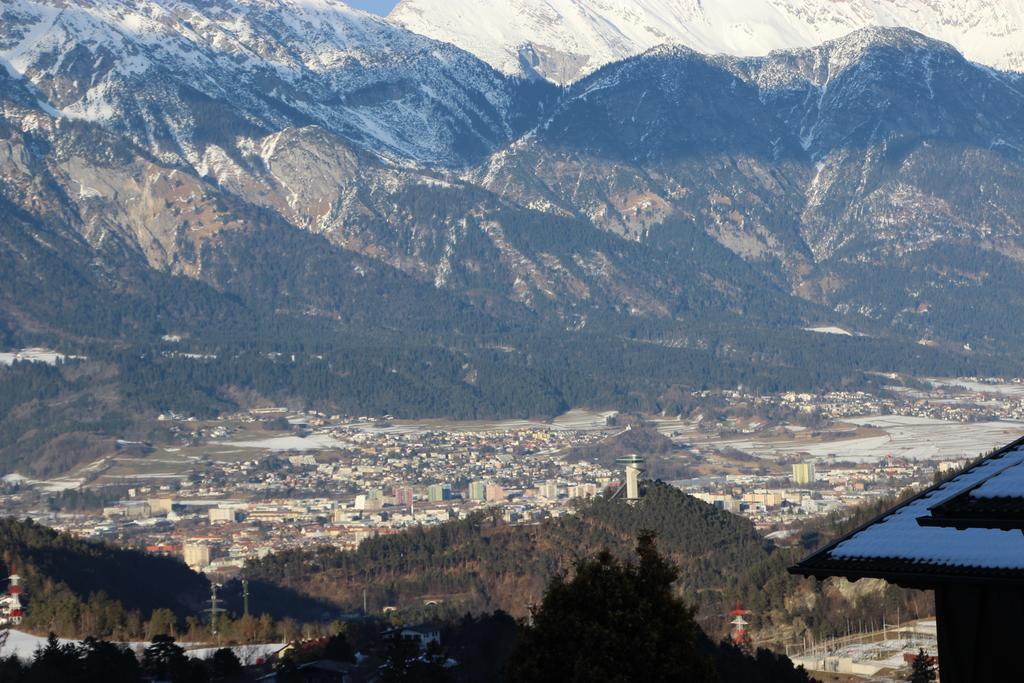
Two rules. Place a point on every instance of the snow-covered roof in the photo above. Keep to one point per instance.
(1009, 483)
(994, 502)
(908, 545)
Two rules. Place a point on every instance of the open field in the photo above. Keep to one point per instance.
(899, 436)
(574, 420)
(1001, 389)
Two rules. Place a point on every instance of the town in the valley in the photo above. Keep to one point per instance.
(219, 492)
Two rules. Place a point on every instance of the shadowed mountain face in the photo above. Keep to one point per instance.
(883, 148)
(221, 168)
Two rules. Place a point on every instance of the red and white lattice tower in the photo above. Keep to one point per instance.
(739, 634)
(12, 603)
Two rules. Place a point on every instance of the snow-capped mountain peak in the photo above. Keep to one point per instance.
(563, 40)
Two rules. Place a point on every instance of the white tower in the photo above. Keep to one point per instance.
(634, 466)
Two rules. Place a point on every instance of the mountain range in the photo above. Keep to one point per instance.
(276, 177)
(562, 40)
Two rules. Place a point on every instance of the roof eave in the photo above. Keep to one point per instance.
(807, 566)
(962, 523)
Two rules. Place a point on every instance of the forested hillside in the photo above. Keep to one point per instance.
(78, 588)
(481, 564)
(476, 565)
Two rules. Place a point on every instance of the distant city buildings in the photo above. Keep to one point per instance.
(196, 555)
(403, 496)
(803, 473)
(222, 515)
(438, 493)
(493, 493)
(477, 490)
(369, 481)
(548, 490)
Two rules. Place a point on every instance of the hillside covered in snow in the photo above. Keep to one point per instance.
(562, 40)
(174, 76)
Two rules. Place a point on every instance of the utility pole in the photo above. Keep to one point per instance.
(245, 597)
(215, 608)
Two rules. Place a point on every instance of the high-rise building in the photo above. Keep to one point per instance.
(197, 555)
(763, 499)
(582, 491)
(494, 493)
(477, 490)
(222, 515)
(438, 493)
(403, 496)
(549, 490)
(803, 473)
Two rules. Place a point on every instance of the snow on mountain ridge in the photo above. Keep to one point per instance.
(563, 40)
(153, 65)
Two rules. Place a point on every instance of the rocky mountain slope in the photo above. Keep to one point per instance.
(159, 128)
(562, 40)
(825, 166)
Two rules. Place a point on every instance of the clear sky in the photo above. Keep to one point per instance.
(378, 6)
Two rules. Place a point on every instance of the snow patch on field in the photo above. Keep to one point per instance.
(1013, 389)
(918, 438)
(315, 442)
(24, 645)
(247, 654)
(829, 330)
(34, 355)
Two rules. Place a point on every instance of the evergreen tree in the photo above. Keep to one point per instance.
(339, 649)
(161, 623)
(923, 668)
(613, 621)
(103, 661)
(225, 665)
(401, 654)
(12, 670)
(56, 662)
(164, 659)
